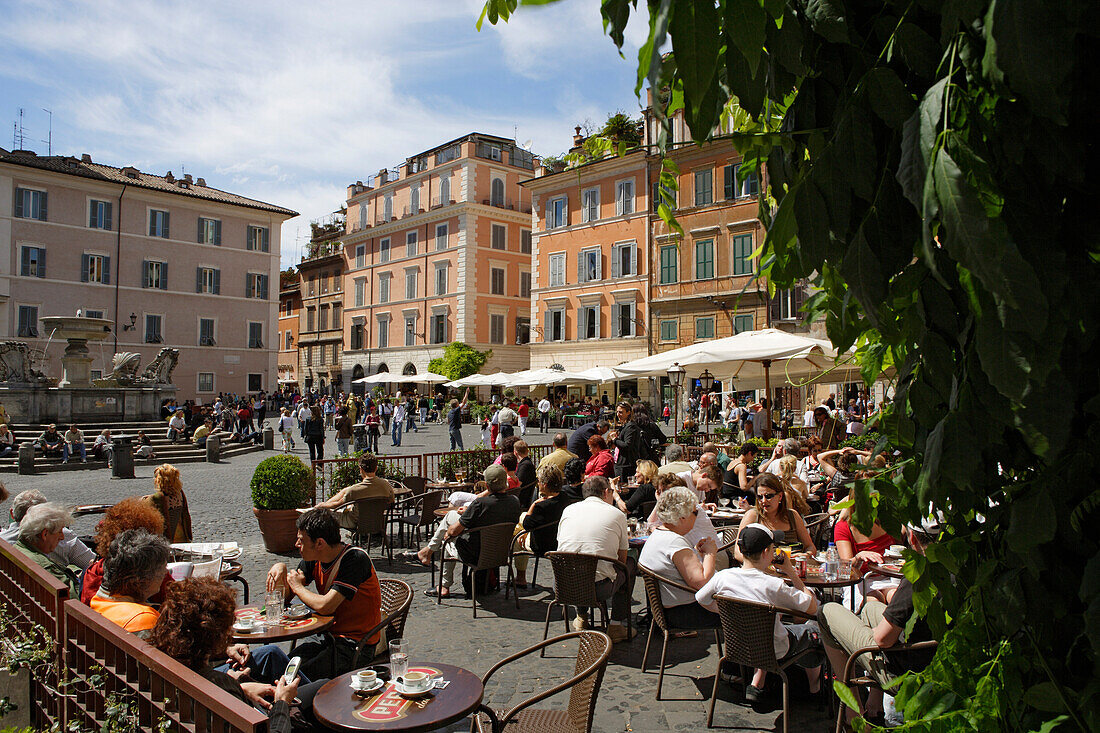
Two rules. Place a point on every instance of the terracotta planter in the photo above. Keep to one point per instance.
(278, 527)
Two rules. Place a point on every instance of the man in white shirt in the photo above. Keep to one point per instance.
(595, 527)
(544, 415)
(507, 418)
(788, 447)
(756, 581)
(69, 551)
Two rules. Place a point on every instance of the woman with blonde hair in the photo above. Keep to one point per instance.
(797, 490)
(170, 501)
(645, 476)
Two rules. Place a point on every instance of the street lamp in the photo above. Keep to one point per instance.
(706, 381)
(676, 374)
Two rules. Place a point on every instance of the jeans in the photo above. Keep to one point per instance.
(372, 442)
(423, 415)
(396, 434)
(267, 664)
(65, 451)
(342, 446)
(544, 421)
(410, 424)
(5, 450)
(619, 590)
(316, 449)
(456, 439)
(506, 430)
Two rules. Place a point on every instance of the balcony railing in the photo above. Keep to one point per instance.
(437, 202)
(507, 203)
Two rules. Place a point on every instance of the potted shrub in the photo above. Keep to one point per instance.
(280, 485)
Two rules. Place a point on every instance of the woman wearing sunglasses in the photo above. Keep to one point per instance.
(773, 511)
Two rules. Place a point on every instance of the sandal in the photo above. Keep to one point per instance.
(433, 592)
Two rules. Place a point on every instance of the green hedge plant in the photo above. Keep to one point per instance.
(281, 482)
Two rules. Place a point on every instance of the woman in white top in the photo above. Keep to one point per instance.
(286, 429)
(667, 553)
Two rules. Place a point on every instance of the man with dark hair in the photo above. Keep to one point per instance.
(560, 455)
(578, 441)
(369, 487)
(525, 472)
(736, 484)
(454, 421)
(829, 429)
(346, 588)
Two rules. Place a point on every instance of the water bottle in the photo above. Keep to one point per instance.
(832, 563)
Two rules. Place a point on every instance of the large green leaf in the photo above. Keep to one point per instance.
(889, 98)
(1035, 51)
(616, 14)
(694, 28)
(828, 19)
(743, 21)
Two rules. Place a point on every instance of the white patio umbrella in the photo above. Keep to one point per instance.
(599, 375)
(481, 380)
(425, 378)
(543, 376)
(379, 378)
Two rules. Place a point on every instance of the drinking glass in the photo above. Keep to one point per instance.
(399, 658)
(845, 572)
(724, 501)
(273, 606)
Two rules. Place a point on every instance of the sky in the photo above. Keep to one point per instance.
(289, 102)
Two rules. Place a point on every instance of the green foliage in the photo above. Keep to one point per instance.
(473, 461)
(459, 360)
(479, 412)
(281, 482)
(927, 169)
(620, 127)
(345, 472)
(859, 441)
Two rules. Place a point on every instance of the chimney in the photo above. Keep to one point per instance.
(187, 177)
(201, 182)
(28, 153)
(577, 137)
(169, 177)
(130, 171)
(85, 158)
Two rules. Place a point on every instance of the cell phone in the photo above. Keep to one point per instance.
(292, 670)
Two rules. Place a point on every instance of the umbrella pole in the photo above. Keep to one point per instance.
(768, 397)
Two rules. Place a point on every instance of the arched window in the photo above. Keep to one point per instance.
(409, 370)
(496, 197)
(357, 373)
(444, 191)
(382, 368)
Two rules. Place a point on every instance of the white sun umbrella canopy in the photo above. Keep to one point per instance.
(481, 380)
(599, 375)
(544, 376)
(379, 378)
(425, 378)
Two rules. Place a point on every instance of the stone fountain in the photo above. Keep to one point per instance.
(125, 395)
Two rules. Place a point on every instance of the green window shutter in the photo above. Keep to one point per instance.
(217, 282)
(164, 276)
(146, 280)
(42, 262)
(25, 268)
(164, 231)
(42, 209)
(218, 232)
(198, 279)
(107, 215)
(19, 197)
(84, 264)
(727, 183)
(106, 270)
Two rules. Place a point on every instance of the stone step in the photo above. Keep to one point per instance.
(197, 455)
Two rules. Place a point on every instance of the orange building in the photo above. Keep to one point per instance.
(290, 306)
(439, 250)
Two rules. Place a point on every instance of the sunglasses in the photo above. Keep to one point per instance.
(765, 496)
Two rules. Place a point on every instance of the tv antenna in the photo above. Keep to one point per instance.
(19, 134)
(49, 137)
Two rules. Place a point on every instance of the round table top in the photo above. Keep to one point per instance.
(442, 511)
(262, 633)
(817, 580)
(449, 485)
(339, 707)
(83, 509)
(231, 569)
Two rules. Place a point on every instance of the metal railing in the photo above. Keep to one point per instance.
(326, 471)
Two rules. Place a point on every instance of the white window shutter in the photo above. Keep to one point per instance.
(580, 267)
(616, 257)
(599, 264)
(615, 329)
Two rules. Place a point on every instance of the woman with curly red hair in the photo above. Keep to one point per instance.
(131, 513)
(194, 629)
(170, 501)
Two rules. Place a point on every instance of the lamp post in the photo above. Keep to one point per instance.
(676, 374)
(706, 381)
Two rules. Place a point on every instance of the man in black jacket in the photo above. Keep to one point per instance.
(525, 472)
(578, 441)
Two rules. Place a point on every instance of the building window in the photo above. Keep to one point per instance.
(704, 328)
(496, 281)
(622, 319)
(206, 382)
(360, 291)
(742, 254)
(414, 199)
(322, 318)
(496, 328)
(742, 323)
(447, 154)
(32, 261)
(99, 214)
(668, 330)
(410, 331)
(664, 195)
(209, 280)
(523, 331)
(255, 286)
(589, 265)
(323, 281)
(500, 236)
(496, 192)
(555, 325)
(28, 321)
(440, 237)
(670, 255)
(786, 305)
(92, 313)
(336, 322)
(384, 287)
(312, 286)
(255, 335)
(362, 215)
(206, 332)
(383, 333)
(624, 198)
(361, 255)
(704, 187)
(525, 285)
(384, 250)
(310, 319)
(410, 244)
(445, 191)
(309, 356)
(95, 269)
(158, 223)
(155, 275)
(387, 207)
(590, 204)
(356, 337)
(410, 284)
(153, 333)
(258, 239)
(288, 340)
(30, 204)
(439, 329)
(704, 259)
(210, 231)
(525, 241)
(734, 188)
(588, 322)
(624, 260)
(557, 270)
(255, 382)
(441, 279)
(337, 281)
(557, 213)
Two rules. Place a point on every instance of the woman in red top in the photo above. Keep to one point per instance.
(602, 462)
(132, 513)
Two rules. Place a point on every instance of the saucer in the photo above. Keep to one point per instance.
(295, 613)
(405, 692)
(244, 629)
(371, 688)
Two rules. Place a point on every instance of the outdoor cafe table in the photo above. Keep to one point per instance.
(339, 707)
(286, 630)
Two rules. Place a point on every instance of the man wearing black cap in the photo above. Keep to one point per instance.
(881, 625)
(756, 581)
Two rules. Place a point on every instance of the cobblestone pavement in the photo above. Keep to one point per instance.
(219, 500)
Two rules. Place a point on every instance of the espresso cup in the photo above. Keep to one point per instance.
(244, 624)
(365, 678)
(416, 681)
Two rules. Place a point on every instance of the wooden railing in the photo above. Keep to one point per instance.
(95, 665)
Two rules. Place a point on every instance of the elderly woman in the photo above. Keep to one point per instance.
(170, 501)
(136, 564)
(668, 553)
(601, 463)
(131, 513)
(194, 628)
(40, 532)
(773, 510)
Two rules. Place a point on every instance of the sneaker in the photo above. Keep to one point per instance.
(618, 633)
(580, 623)
(752, 693)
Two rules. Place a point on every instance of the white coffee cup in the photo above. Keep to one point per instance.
(416, 681)
(244, 624)
(896, 549)
(364, 678)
